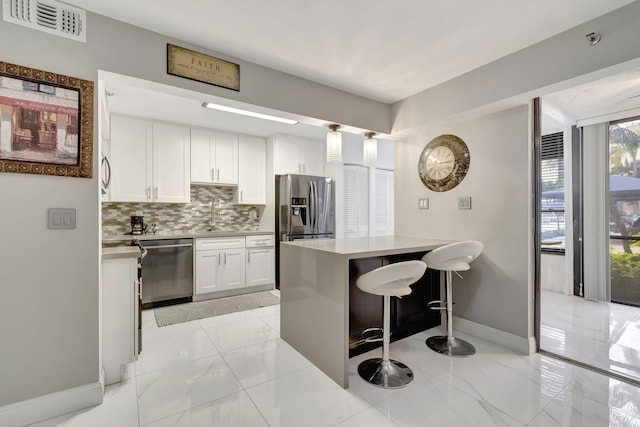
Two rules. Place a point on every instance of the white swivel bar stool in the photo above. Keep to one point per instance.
(391, 280)
(453, 257)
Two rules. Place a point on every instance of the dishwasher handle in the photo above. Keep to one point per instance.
(180, 245)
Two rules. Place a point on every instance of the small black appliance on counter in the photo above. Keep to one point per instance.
(137, 224)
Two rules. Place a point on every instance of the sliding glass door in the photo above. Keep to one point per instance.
(624, 211)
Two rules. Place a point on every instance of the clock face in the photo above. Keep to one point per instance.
(440, 163)
(444, 163)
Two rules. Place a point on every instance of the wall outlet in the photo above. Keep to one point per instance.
(464, 202)
(423, 203)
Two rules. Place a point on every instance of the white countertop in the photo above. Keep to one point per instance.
(371, 246)
(121, 252)
(183, 235)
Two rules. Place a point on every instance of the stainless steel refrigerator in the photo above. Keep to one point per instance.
(305, 209)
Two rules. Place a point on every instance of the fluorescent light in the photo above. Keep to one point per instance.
(248, 113)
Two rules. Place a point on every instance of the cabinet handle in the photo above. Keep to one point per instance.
(219, 257)
(248, 256)
(241, 195)
(218, 175)
(303, 168)
(155, 193)
(225, 258)
(148, 192)
(213, 174)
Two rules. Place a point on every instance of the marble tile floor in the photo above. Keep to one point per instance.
(234, 370)
(605, 335)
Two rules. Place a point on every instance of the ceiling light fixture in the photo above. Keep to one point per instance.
(248, 113)
(370, 150)
(334, 144)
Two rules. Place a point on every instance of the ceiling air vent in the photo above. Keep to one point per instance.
(49, 16)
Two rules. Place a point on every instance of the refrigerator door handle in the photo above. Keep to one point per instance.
(315, 207)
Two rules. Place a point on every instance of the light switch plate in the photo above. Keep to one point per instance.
(464, 202)
(61, 219)
(423, 203)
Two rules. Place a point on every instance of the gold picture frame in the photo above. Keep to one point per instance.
(50, 122)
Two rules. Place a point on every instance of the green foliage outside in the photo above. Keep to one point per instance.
(624, 266)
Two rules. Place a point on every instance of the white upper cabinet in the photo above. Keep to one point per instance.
(252, 156)
(295, 155)
(149, 161)
(214, 157)
(171, 161)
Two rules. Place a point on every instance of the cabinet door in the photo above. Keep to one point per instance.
(233, 270)
(207, 271)
(260, 266)
(226, 159)
(201, 144)
(171, 163)
(119, 315)
(131, 159)
(314, 158)
(288, 155)
(252, 172)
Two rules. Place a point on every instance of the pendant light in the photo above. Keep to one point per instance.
(370, 150)
(334, 144)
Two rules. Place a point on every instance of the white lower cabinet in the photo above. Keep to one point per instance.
(261, 258)
(119, 336)
(230, 265)
(220, 264)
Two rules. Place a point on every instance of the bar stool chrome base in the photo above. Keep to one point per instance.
(454, 347)
(392, 374)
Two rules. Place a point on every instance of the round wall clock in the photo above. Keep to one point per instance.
(444, 163)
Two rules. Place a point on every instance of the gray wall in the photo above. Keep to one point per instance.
(49, 304)
(495, 291)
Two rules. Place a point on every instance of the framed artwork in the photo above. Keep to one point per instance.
(46, 122)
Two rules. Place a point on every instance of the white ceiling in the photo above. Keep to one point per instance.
(375, 51)
(379, 49)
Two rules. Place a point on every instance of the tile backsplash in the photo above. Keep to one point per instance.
(191, 217)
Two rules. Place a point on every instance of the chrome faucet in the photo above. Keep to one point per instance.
(214, 214)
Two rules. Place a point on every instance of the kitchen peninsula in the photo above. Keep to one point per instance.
(321, 307)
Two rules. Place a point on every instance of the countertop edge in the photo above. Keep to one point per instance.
(195, 235)
(121, 252)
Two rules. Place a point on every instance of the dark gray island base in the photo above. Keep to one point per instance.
(322, 311)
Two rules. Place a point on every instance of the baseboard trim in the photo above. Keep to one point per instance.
(517, 343)
(51, 405)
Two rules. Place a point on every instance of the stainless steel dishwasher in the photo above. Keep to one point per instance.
(167, 271)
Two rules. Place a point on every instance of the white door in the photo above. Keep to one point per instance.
(207, 271)
(356, 201)
(171, 160)
(201, 144)
(226, 158)
(131, 159)
(233, 270)
(384, 225)
(260, 266)
(252, 156)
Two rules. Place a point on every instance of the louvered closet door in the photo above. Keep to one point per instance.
(384, 203)
(356, 201)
